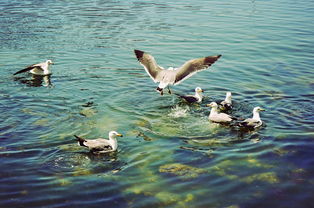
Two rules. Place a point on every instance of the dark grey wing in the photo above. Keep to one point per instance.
(189, 99)
(193, 66)
(149, 63)
(26, 69)
(101, 148)
(249, 123)
(223, 106)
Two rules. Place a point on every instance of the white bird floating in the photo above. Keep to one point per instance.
(253, 122)
(227, 103)
(100, 145)
(217, 117)
(172, 76)
(38, 69)
(197, 98)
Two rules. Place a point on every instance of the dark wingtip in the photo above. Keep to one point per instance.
(139, 54)
(218, 56)
(18, 72)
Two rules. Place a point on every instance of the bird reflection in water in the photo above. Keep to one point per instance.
(35, 80)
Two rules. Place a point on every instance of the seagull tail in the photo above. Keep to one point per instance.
(80, 140)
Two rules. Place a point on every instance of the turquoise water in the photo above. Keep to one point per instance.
(170, 155)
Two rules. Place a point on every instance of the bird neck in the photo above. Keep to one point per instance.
(228, 99)
(199, 96)
(256, 115)
(213, 111)
(113, 142)
(46, 68)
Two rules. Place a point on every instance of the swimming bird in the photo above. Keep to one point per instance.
(37, 69)
(172, 76)
(226, 104)
(253, 122)
(197, 98)
(100, 145)
(217, 117)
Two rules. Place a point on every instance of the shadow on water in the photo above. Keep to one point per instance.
(35, 80)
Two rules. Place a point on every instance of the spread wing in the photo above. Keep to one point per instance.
(150, 65)
(193, 66)
(29, 68)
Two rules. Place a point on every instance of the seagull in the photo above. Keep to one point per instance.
(227, 103)
(172, 76)
(217, 117)
(100, 145)
(253, 122)
(197, 98)
(37, 69)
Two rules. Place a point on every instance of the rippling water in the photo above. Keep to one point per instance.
(170, 155)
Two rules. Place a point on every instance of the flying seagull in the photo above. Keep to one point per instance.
(253, 122)
(197, 98)
(37, 69)
(100, 145)
(226, 104)
(217, 117)
(172, 76)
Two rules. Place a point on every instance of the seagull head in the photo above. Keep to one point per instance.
(114, 134)
(199, 90)
(49, 62)
(258, 109)
(212, 105)
(228, 94)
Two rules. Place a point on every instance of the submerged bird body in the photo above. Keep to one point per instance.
(253, 122)
(226, 104)
(217, 117)
(172, 76)
(100, 145)
(38, 69)
(196, 98)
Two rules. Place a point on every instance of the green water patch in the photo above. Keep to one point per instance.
(231, 169)
(88, 112)
(184, 171)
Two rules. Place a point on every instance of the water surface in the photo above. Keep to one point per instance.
(170, 155)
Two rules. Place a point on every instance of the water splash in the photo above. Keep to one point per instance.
(179, 111)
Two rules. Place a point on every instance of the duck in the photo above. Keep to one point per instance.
(100, 145)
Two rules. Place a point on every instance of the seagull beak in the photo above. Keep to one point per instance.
(209, 105)
(119, 135)
(262, 109)
(202, 90)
